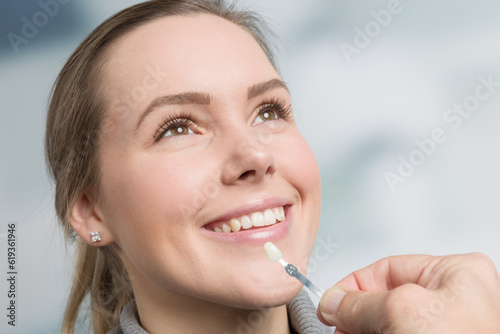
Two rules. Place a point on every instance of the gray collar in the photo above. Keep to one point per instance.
(301, 313)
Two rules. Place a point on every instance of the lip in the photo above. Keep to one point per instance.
(267, 233)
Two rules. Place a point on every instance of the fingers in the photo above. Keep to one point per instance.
(391, 272)
(353, 311)
(416, 294)
(358, 303)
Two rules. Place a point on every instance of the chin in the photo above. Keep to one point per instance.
(257, 296)
(281, 295)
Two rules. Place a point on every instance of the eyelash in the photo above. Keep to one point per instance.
(172, 121)
(277, 105)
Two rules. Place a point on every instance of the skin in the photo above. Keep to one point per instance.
(153, 199)
(417, 294)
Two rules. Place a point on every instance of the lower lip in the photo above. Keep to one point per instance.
(256, 235)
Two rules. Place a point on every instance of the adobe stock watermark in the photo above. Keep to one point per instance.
(30, 27)
(437, 306)
(121, 110)
(153, 77)
(452, 117)
(371, 30)
(322, 251)
(12, 274)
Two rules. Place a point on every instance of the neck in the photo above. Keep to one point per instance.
(173, 313)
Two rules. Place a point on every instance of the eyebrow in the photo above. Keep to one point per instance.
(264, 87)
(205, 98)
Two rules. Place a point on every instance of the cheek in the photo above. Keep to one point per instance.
(152, 201)
(150, 205)
(298, 164)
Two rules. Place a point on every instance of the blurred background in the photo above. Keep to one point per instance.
(369, 80)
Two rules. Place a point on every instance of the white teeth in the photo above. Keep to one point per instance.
(282, 213)
(277, 214)
(257, 219)
(269, 217)
(246, 222)
(235, 225)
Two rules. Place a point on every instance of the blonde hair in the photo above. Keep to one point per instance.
(73, 131)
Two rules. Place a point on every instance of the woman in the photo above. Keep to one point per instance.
(168, 124)
(171, 139)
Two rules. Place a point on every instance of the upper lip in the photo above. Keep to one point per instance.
(249, 207)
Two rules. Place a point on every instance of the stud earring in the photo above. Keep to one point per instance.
(95, 236)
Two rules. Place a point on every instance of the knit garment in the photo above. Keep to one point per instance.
(301, 314)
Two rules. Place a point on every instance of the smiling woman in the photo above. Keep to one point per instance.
(173, 145)
(127, 174)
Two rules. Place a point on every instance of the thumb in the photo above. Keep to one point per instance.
(352, 311)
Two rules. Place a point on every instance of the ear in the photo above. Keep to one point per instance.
(85, 218)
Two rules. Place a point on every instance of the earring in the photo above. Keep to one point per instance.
(95, 236)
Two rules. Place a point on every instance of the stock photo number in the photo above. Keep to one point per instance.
(11, 274)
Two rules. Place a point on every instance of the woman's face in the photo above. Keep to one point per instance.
(199, 131)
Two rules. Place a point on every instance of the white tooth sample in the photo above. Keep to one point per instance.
(282, 213)
(217, 229)
(235, 225)
(273, 253)
(246, 222)
(269, 217)
(226, 228)
(257, 219)
(277, 214)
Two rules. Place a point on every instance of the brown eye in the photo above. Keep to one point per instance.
(179, 130)
(175, 125)
(267, 115)
(274, 109)
(176, 130)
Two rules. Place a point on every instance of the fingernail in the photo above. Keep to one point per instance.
(331, 301)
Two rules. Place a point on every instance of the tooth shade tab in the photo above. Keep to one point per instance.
(273, 252)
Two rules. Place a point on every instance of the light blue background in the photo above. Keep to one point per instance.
(358, 118)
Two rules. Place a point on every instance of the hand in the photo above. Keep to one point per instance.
(416, 294)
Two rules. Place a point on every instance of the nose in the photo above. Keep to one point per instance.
(249, 160)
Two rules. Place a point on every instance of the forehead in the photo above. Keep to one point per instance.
(184, 53)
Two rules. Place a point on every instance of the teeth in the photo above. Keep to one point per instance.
(277, 214)
(269, 217)
(235, 225)
(257, 219)
(246, 222)
(281, 214)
